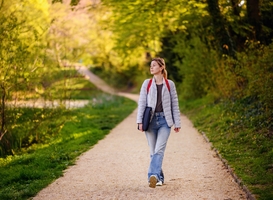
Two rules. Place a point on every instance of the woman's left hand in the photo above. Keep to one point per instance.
(140, 127)
(177, 129)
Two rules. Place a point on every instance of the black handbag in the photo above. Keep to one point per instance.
(146, 118)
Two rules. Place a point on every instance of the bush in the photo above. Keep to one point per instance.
(248, 82)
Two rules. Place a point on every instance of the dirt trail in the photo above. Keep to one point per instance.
(116, 168)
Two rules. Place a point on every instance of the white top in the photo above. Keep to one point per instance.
(169, 102)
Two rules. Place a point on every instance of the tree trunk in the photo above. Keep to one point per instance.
(225, 42)
(235, 7)
(2, 122)
(254, 18)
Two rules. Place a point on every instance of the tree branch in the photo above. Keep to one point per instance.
(1, 4)
(2, 130)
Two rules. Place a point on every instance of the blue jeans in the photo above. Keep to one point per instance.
(157, 136)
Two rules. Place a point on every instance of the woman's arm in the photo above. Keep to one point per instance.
(175, 106)
(142, 101)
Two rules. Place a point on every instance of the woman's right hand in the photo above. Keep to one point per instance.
(140, 127)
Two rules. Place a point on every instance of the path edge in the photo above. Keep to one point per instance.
(250, 196)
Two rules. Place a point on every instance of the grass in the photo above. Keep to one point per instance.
(24, 175)
(248, 151)
(69, 84)
(47, 141)
(59, 84)
(27, 126)
(76, 87)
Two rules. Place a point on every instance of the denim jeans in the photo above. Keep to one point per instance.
(157, 136)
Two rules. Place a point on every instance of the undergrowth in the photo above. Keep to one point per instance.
(241, 132)
(25, 174)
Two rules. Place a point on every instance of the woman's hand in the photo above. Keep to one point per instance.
(177, 129)
(140, 127)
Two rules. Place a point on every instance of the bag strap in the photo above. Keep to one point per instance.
(150, 83)
(168, 85)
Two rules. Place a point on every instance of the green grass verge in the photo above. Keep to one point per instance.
(29, 126)
(69, 84)
(23, 176)
(247, 151)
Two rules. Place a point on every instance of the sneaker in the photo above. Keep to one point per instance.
(152, 181)
(159, 183)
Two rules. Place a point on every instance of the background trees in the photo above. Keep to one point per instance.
(39, 43)
(23, 29)
(214, 47)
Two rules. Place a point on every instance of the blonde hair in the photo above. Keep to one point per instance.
(161, 63)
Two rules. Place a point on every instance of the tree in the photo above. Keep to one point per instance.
(160, 28)
(225, 42)
(22, 37)
(254, 18)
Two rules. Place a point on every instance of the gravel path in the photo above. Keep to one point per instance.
(116, 168)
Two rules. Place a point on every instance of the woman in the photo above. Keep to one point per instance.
(161, 95)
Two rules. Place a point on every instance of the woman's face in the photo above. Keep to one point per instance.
(155, 68)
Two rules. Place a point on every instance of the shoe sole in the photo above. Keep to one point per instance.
(153, 182)
(159, 184)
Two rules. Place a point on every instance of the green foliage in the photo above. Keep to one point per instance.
(22, 40)
(118, 38)
(159, 17)
(195, 68)
(31, 126)
(249, 80)
(190, 35)
(39, 41)
(67, 84)
(69, 37)
(258, 70)
(136, 42)
(28, 126)
(121, 79)
(234, 134)
(224, 40)
(74, 2)
(57, 1)
(23, 176)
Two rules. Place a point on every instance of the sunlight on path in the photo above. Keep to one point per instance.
(99, 83)
(116, 167)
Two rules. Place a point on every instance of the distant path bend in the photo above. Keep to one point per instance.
(98, 82)
(116, 167)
